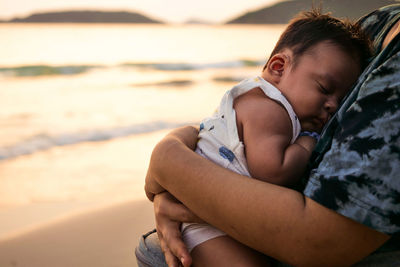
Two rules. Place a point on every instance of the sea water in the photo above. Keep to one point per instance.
(82, 105)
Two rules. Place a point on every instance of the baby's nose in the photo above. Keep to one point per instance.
(331, 106)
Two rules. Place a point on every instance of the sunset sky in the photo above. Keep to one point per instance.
(166, 10)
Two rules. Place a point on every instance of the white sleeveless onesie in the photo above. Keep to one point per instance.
(219, 142)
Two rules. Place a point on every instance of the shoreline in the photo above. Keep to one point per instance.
(51, 186)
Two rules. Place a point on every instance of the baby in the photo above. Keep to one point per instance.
(266, 127)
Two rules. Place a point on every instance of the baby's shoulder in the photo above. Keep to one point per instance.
(257, 113)
(254, 105)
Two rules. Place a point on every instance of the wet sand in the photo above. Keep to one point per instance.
(104, 237)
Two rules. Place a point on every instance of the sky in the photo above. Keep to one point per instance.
(174, 11)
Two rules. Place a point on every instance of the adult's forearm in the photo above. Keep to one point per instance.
(186, 136)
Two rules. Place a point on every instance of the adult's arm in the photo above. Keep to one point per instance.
(277, 221)
(186, 136)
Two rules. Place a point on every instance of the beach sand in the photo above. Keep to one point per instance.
(80, 205)
(103, 237)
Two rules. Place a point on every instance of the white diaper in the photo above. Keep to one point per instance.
(193, 234)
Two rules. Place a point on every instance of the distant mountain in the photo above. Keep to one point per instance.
(282, 12)
(86, 17)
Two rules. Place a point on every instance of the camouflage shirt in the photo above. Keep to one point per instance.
(355, 168)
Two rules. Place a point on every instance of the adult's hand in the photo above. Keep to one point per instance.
(169, 213)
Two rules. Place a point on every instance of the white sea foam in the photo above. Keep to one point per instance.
(46, 141)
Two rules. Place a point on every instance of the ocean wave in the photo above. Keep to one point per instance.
(175, 83)
(46, 70)
(44, 141)
(229, 79)
(195, 66)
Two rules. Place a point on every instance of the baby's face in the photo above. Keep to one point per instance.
(318, 82)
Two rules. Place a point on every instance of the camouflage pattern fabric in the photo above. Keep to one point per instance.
(355, 168)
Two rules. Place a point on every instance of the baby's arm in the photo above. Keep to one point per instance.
(266, 133)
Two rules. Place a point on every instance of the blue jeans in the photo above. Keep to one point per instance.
(148, 252)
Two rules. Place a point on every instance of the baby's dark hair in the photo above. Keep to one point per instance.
(312, 27)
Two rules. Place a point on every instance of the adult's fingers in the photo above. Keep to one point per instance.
(171, 242)
(176, 246)
(168, 230)
(170, 258)
(174, 249)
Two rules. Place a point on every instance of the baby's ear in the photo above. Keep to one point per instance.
(276, 67)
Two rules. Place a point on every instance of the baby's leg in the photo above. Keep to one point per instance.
(225, 251)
